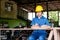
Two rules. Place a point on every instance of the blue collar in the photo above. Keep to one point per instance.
(41, 17)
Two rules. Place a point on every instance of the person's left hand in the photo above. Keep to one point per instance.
(45, 26)
(25, 27)
(35, 27)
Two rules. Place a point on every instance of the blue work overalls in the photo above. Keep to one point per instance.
(39, 34)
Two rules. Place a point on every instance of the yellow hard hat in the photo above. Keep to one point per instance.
(38, 8)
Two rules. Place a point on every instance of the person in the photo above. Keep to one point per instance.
(37, 22)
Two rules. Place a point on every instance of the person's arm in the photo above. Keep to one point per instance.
(47, 24)
(33, 24)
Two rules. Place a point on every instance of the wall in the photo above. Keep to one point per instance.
(23, 14)
(8, 14)
(11, 17)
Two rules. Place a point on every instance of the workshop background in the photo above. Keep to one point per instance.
(15, 13)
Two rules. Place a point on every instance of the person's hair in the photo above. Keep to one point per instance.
(36, 12)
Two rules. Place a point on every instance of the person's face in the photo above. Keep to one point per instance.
(39, 14)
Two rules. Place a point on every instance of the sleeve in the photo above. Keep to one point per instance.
(47, 22)
(32, 23)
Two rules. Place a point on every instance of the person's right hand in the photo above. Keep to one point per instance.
(45, 26)
(35, 27)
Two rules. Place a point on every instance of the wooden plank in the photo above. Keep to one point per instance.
(58, 34)
(57, 28)
(50, 35)
(55, 34)
(25, 29)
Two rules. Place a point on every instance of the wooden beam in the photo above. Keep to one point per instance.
(51, 35)
(57, 28)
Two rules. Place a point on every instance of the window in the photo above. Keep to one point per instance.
(53, 17)
(8, 6)
(59, 18)
(31, 15)
(45, 14)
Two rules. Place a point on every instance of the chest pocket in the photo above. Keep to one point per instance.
(41, 22)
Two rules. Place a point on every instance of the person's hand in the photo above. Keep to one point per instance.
(45, 26)
(35, 27)
(25, 27)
